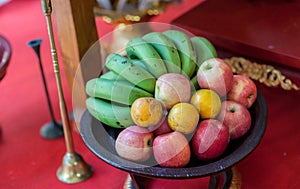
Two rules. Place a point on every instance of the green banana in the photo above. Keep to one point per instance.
(138, 48)
(131, 72)
(110, 114)
(204, 49)
(114, 76)
(185, 49)
(166, 49)
(111, 76)
(122, 92)
(194, 83)
(139, 63)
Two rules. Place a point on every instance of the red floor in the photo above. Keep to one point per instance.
(29, 161)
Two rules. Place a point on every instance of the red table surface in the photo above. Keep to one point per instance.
(264, 29)
(29, 161)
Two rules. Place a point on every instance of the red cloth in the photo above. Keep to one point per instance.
(29, 161)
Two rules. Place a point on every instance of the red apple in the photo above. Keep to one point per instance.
(210, 139)
(215, 74)
(134, 143)
(172, 88)
(243, 90)
(163, 128)
(171, 150)
(236, 117)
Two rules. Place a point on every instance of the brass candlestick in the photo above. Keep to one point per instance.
(73, 169)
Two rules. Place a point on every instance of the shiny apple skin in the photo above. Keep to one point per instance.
(172, 88)
(243, 90)
(171, 150)
(134, 143)
(215, 74)
(236, 117)
(210, 139)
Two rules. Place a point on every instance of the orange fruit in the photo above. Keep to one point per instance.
(183, 117)
(147, 111)
(207, 102)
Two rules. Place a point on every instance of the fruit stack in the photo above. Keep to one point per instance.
(172, 98)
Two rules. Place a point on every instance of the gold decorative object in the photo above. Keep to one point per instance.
(73, 169)
(263, 73)
(124, 13)
(131, 11)
(236, 181)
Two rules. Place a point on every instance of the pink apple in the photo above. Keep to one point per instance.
(215, 74)
(163, 128)
(236, 117)
(243, 90)
(172, 88)
(134, 143)
(210, 139)
(171, 150)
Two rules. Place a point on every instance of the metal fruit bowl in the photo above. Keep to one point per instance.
(100, 139)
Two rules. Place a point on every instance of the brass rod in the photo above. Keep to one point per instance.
(47, 9)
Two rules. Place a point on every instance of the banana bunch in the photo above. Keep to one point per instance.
(134, 75)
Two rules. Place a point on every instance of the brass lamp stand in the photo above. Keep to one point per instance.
(73, 169)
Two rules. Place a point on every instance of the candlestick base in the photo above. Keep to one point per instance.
(74, 169)
(52, 130)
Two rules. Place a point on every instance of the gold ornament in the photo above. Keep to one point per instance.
(236, 181)
(263, 73)
(131, 11)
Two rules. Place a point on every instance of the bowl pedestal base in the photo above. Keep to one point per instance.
(228, 179)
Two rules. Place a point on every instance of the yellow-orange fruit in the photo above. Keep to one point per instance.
(207, 102)
(183, 117)
(147, 111)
